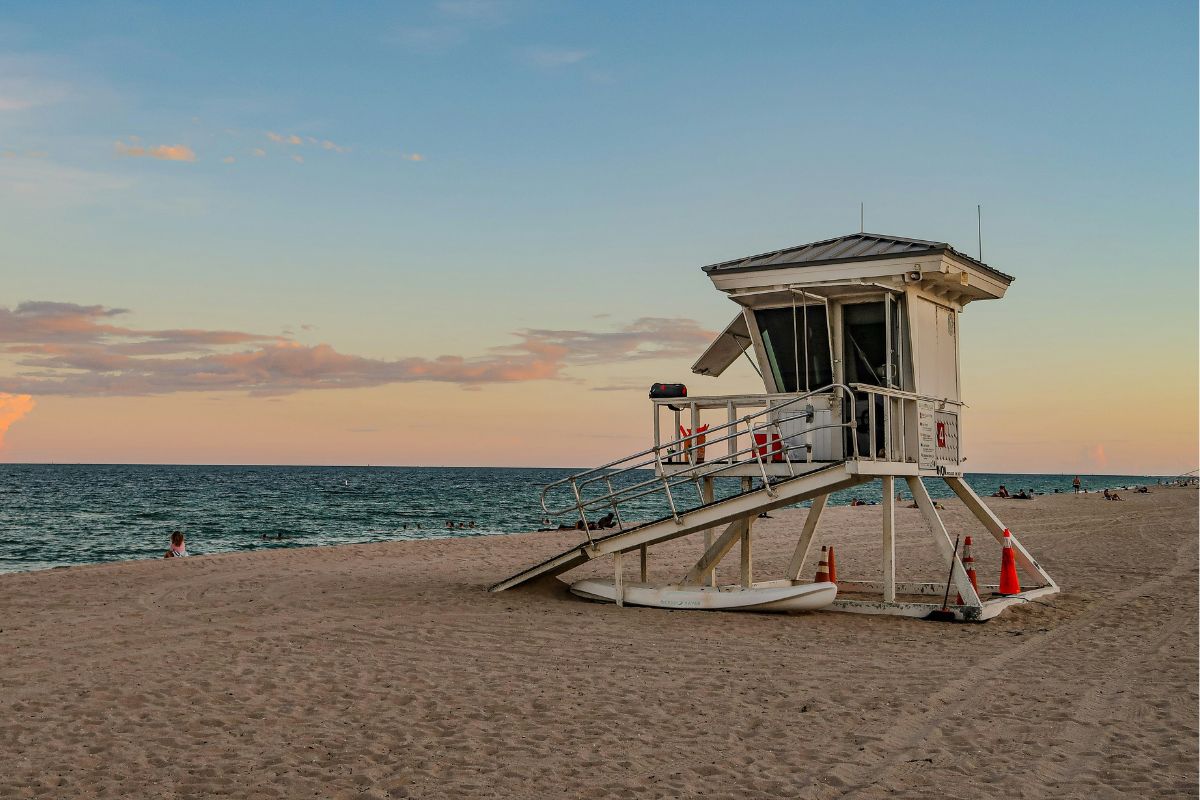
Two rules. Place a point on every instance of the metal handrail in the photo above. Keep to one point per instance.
(688, 445)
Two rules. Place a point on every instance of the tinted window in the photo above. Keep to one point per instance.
(787, 339)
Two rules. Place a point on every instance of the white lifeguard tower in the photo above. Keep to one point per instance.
(856, 340)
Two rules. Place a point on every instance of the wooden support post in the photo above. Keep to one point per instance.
(889, 539)
(796, 565)
(619, 578)
(747, 566)
(645, 562)
(713, 555)
(708, 495)
(746, 573)
(942, 538)
(994, 526)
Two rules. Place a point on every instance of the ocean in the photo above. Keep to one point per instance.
(55, 515)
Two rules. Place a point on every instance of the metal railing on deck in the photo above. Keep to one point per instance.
(689, 445)
(892, 421)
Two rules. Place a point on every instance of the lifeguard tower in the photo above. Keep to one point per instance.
(856, 340)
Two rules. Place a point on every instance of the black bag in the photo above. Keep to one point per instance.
(661, 390)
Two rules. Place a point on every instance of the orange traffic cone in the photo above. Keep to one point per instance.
(968, 562)
(823, 567)
(832, 566)
(1009, 582)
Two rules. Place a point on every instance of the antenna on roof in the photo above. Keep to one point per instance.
(862, 215)
(979, 228)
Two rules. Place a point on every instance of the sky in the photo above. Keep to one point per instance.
(469, 232)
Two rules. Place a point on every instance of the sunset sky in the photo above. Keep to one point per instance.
(469, 232)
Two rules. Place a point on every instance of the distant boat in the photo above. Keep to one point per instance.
(769, 596)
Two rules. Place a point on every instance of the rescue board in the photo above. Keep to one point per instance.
(771, 596)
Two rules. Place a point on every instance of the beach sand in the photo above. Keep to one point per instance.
(387, 670)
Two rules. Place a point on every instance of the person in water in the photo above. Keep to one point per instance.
(178, 549)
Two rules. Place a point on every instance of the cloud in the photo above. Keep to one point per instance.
(258, 152)
(290, 138)
(228, 160)
(77, 350)
(1096, 455)
(299, 159)
(294, 139)
(552, 57)
(12, 408)
(163, 152)
(412, 157)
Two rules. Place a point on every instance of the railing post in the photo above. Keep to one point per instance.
(613, 502)
(762, 467)
(887, 428)
(587, 529)
(666, 486)
(733, 440)
(871, 426)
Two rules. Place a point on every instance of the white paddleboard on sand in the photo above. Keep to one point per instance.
(772, 596)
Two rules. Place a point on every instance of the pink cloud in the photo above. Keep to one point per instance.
(163, 152)
(12, 408)
(69, 349)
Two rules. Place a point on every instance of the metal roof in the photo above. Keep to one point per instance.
(854, 247)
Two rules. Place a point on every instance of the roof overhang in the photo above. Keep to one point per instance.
(960, 280)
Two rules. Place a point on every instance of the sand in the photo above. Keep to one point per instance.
(387, 670)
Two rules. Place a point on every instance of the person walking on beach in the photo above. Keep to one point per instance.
(1076, 484)
(178, 550)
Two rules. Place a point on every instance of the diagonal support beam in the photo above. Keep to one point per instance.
(996, 528)
(796, 565)
(942, 538)
(713, 555)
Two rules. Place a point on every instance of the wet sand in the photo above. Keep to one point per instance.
(387, 670)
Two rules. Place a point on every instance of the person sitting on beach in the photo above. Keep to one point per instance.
(1022, 496)
(857, 502)
(609, 520)
(1142, 490)
(1116, 496)
(1001, 492)
(178, 550)
(1107, 494)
